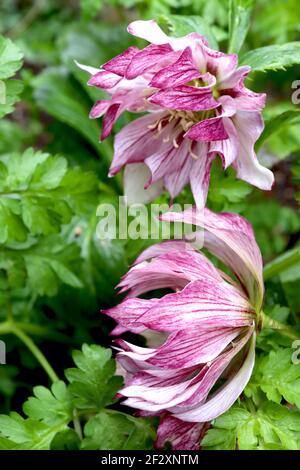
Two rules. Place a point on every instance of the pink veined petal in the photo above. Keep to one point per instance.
(186, 387)
(145, 277)
(220, 64)
(229, 148)
(226, 396)
(127, 314)
(118, 65)
(172, 162)
(234, 78)
(167, 155)
(182, 258)
(187, 349)
(164, 248)
(136, 176)
(99, 108)
(208, 130)
(148, 30)
(181, 435)
(200, 173)
(176, 180)
(180, 72)
(245, 99)
(249, 101)
(104, 79)
(155, 389)
(201, 385)
(174, 269)
(187, 98)
(135, 142)
(148, 58)
(203, 304)
(249, 126)
(154, 398)
(230, 237)
(110, 118)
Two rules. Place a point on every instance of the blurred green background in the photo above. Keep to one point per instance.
(52, 116)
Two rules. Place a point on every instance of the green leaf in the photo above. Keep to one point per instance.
(180, 25)
(25, 434)
(39, 194)
(224, 187)
(65, 440)
(42, 266)
(276, 124)
(58, 95)
(13, 88)
(48, 264)
(270, 426)
(282, 263)
(50, 406)
(10, 58)
(110, 430)
(50, 412)
(10, 63)
(93, 383)
(278, 56)
(277, 377)
(90, 8)
(239, 22)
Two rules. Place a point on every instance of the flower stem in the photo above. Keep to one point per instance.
(9, 327)
(286, 330)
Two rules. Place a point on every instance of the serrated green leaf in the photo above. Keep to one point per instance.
(42, 267)
(115, 431)
(39, 193)
(271, 426)
(27, 434)
(10, 58)
(277, 376)
(51, 407)
(93, 383)
(13, 88)
(278, 56)
(10, 62)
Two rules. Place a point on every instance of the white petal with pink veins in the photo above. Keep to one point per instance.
(226, 396)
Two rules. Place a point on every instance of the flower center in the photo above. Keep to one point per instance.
(181, 121)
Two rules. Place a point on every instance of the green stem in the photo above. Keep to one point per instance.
(34, 330)
(286, 330)
(281, 263)
(9, 327)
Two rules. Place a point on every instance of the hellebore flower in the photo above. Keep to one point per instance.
(197, 107)
(209, 322)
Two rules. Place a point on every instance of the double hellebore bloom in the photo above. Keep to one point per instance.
(196, 106)
(208, 322)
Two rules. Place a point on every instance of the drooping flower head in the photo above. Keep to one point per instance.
(208, 320)
(197, 107)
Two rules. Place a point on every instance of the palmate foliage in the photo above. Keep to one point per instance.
(55, 274)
